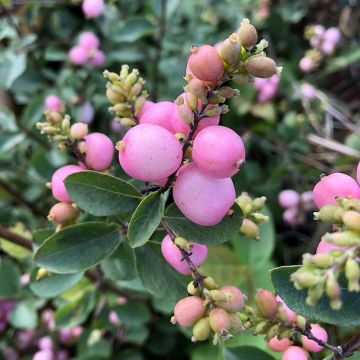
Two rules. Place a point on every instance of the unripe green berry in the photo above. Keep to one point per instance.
(331, 214)
(261, 66)
(210, 283)
(249, 229)
(191, 289)
(352, 273)
(201, 330)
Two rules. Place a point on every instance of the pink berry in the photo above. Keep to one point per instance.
(149, 152)
(290, 216)
(44, 355)
(219, 320)
(78, 131)
(89, 41)
(116, 127)
(306, 64)
(308, 92)
(320, 333)
(332, 186)
(332, 35)
(25, 279)
(159, 114)
(324, 247)
(358, 173)
(174, 257)
(279, 345)
(87, 113)
(57, 182)
(46, 343)
(203, 199)
(92, 8)
(319, 30)
(114, 318)
(99, 151)
(205, 63)
(78, 55)
(99, 58)
(235, 301)
(266, 303)
(188, 310)
(294, 353)
(291, 315)
(218, 151)
(289, 198)
(62, 212)
(327, 47)
(307, 200)
(147, 105)
(53, 103)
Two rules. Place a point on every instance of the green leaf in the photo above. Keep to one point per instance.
(133, 30)
(78, 247)
(24, 315)
(133, 314)
(40, 235)
(10, 278)
(53, 285)
(101, 194)
(7, 120)
(203, 234)
(246, 353)
(146, 219)
(156, 274)
(348, 57)
(348, 315)
(76, 312)
(12, 65)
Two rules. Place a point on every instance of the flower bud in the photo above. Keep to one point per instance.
(258, 203)
(230, 50)
(78, 131)
(247, 34)
(235, 322)
(344, 238)
(185, 114)
(219, 320)
(42, 273)
(210, 283)
(266, 303)
(314, 294)
(191, 289)
(198, 88)
(228, 92)
(241, 78)
(65, 124)
(233, 299)
(259, 217)
(273, 331)
(305, 277)
(261, 66)
(331, 214)
(349, 203)
(245, 203)
(301, 322)
(191, 101)
(131, 78)
(351, 219)
(332, 289)
(62, 212)
(216, 99)
(213, 111)
(54, 117)
(111, 75)
(218, 296)
(250, 229)
(352, 273)
(183, 244)
(201, 330)
(124, 72)
(261, 327)
(322, 260)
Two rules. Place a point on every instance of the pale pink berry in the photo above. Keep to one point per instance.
(173, 255)
(92, 8)
(332, 35)
(25, 279)
(289, 198)
(315, 42)
(44, 355)
(47, 316)
(219, 320)
(98, 58)
(147, 105)
(57, 182)
(266, 303)
(46, 343)
(291, 315)
(53, 103)
(89, 40)
(320, 333)
(203, 199)
(114, 318)
(149, 152)
(332, 186)
(267, 93)
(294, 353)
(319, 30)
(306, 64)
(307, 200)
(87, 113)
(78, 55)
(205, 63)
(308, 92)
(290, 216)
(116, 127)
(62, 212)
(99, 151)
(279, 345)
(218, 151)
(188, 310)
(235, 301)
(159, 114)
(327, 47)
(78, 130)
(358, 173)
(324, 247)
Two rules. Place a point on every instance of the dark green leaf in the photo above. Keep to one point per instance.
(133, 314)
(40, 235)
(10, 278)
(246, 353)
(348, 315)
(24, 315)
(78, 247)
(12, 65)
(146, 219)
(133, 30)
(203, 234)
(101, 194)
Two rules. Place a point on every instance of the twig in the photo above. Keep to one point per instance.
(14, 238)
(350, 347)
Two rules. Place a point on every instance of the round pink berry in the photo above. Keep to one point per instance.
(203, 199)
(92, 8)
(53, 103)
(173, 255)
(44, 355)
(290, 216)
(279, 345)
(236, 300)
(324, 247)
(188, 310)
(327, 47)
(46, 343)
(78, 55)
(149, 152)
(332, 186)
(99, 151)
(62, 212)
(78, 130)
(289, 198)
(358, 173)
(147, 105)
(87, 113)
(57, 182)
(89, 41)
(291, 315)
(159, 114)
(320, 333)
(218, 151)
(306, 64)
(308, 92)
(319, 30)
(99, 58)
(219, 320)
(332, 35)
(25, 279)
(205, 63)
(294, 353)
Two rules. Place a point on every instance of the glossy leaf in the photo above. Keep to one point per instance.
(246, 353)
(10, 278)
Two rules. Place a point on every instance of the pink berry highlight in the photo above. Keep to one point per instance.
(159, 114)
(99, 151)
(89, 41)
(188, 310)
(294, 353)
(203, 199)
(320, 333)
(173, 255)
(205, 63)
(78, 55)
(332, 35)
(289, 198)
(279, 345)
(149, 152)
(53, 103)
(92, 8)
(332, 186)
(218, 151)
(57, 182)
(235, 301)
(99, 58)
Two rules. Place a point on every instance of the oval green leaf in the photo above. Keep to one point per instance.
(78, 247)
(10, 278)
(246, 353)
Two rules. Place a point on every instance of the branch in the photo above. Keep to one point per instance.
(350, 347)
(14, 238)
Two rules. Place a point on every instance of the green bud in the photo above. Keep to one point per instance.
(228, 92)
(349, 204)
(301, 322)
(336, 304)
(345, 238)
(285, 333)
(241, 78)
(127, 122)
(351, 219)
(139, 103)
(323, 260)
(261, 66)
(191, 101)
(250, 229)
(136, 89)
(65, 124)
(305, 277)
(111, 75)
(352, 273)
(236, 323)
(218, 296)
(332, 287)
(261, 327)
(42, 273)
(314, 294)
(201, 330)
(124, 71)
(191, 289)
(331, 214)
(247, 34)
(259, 217)
(216, 99)
(259, 203)
(213, 111)
(183, 244)
(273, 331)
(113, 97)
(210, 283)
(243, 317)
(245, 202)
(230, 50)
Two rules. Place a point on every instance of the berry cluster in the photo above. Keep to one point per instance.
(267, 88)
(87, 50)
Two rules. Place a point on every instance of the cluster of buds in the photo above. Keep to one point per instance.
(338, 253)
(124, 91)
(252, 216)
(210, 310)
